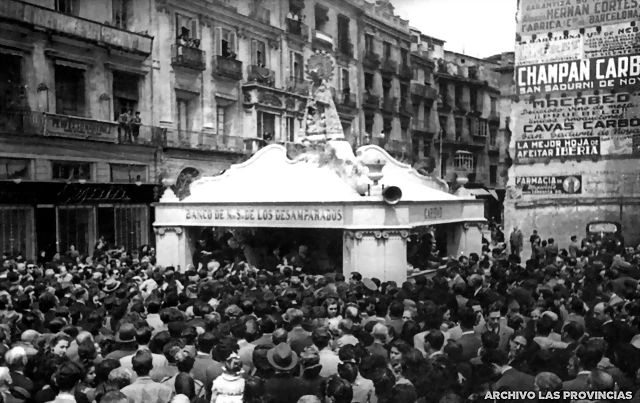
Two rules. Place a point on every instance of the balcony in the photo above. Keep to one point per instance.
(188, 57)
(390, 105)
(371, 60)
(346, 102)
(417, 90)
(79, 28)
(430, 94)
(23, 123)
(494, 116)
(298, 28)
(297, 85)
(227, 67)
(406, 73)
(199, 140)
(389, 67)
(371, 101)
(322, 40)
(261, 75)
(406, 109)
(420, 126)
(261, 14)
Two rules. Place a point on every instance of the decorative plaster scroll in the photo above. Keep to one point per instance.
(479, 224)
(162, 230)
(377, 234)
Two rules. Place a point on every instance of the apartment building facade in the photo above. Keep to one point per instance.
(213, 81)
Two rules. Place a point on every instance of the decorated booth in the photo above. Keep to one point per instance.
(373, 200)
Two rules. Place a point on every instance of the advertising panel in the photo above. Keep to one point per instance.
(611, 72)
(543, 16)
(590, 43)
(547, 185)
(555, 149)
(613, 118)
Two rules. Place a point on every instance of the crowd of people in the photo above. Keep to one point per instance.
(117, 327)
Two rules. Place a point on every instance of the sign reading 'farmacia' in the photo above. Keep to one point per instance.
(589, 74)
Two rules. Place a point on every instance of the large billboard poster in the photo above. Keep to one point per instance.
(603, 73)
(590, 43)
(547, 185)
(614, 119)
(544, 16)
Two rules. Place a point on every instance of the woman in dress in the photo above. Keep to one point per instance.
(229, 387)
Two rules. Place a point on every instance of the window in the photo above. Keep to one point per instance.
(473, 128)
(444, 126)
(322, 16)
(65, 6)
(473, 98)
(458, 123)
(404, 55)
(11, 89)
(13, 231)
(426, 149)
(368, 82)
(493, 174)
(483, 125)
(386, 88)
(368, 125)
(266, 125)
(415, 74)
(290, 133)
(463, 161)
(386, 50)
(126, 173)
(431, 46)
(70, 91)
(458, 94)
(344, 42)
(344, 81)
(494, 105)
(121, 13)
(221, 120)
(184, 114)
(368, 43)
(404, 92)
(125, 93)
(14, 168)
(444, 93)
(258, 53)
(493, 136)
(443, 165)
(226, 43)
(70, 170)
(296, 66)
(387, 126)
(186, 27)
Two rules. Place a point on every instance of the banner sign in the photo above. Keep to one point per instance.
(544, 16)
(267, 215)
(80, 128)
(546, 185)
(610, 40)
(615, 72)
(543, 149)
(614, 118)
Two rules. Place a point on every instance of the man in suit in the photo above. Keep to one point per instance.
(510, 378)
(299, 338)
(16, 360)
(470, 340)
(516, 241)
(586, 359)
(494, 324)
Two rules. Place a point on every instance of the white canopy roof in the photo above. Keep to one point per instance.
(271, 177)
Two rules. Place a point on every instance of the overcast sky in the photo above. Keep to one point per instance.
(479, 28)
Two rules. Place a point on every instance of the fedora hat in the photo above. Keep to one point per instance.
(282, 357)
(111, 285)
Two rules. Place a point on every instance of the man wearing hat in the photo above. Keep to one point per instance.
(126, 338)
(111, 285)
(284, 387)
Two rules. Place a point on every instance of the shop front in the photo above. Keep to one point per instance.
(376, 209)
(53, 216)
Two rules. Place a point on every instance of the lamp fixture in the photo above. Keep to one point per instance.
(82, 181)
(138, 183)
(17, 181)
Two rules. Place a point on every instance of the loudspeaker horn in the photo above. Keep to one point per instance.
(392, 194)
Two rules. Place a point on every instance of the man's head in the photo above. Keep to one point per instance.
(433, 341)
(493, 315)
(114, 397)
(16, 359)
(68, 376)
(547, 382)
(142, 362)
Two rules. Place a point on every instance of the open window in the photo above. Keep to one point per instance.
(266, 126)
(125, 93)
(66, 6)
(70, 91)
(187, 31)
(122, 11)
(296, 66)
(69, 170)
(226, 43)
(258, 53)
(322, 17)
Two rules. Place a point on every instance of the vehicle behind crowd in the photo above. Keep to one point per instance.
(119, 326)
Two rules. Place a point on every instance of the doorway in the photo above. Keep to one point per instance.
(46, 238)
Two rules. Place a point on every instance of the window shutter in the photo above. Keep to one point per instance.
(233, 43)
(218, 40)
(254, 52)
(178, 26)
(194, 29)
(292, 64)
